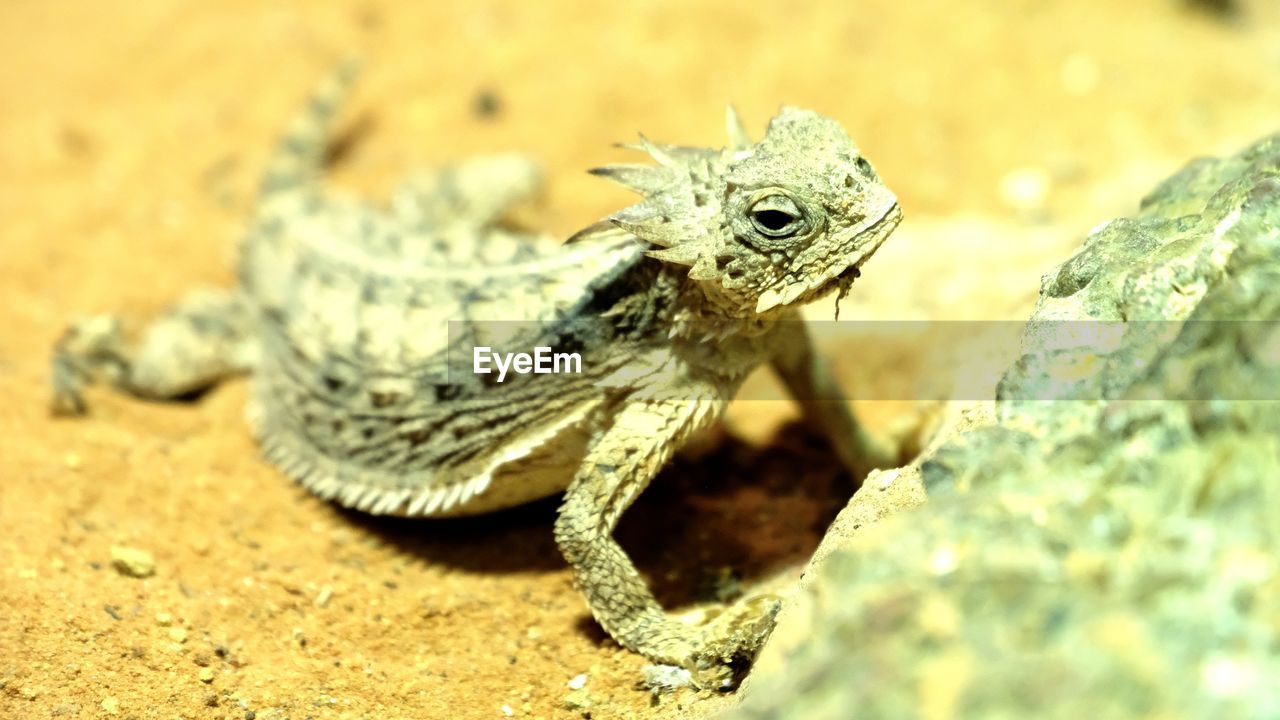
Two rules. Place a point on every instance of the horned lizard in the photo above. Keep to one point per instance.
(346, 315)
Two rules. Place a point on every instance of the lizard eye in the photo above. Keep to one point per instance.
(777, 216)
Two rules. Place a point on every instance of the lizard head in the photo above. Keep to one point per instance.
(763, 225)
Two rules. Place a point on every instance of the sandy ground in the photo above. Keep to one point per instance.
(131, 136)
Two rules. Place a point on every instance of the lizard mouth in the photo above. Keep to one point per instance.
(837, 278)
(881, 231)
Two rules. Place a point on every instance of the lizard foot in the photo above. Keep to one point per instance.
(730, 642)
(88, 349)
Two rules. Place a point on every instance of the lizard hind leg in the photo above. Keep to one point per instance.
(617, 469)
(204, 338)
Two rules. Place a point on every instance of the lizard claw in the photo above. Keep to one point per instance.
(68, 387)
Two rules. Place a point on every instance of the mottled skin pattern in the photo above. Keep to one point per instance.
(342, 316)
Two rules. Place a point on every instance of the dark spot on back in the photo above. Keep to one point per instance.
(416, 437)
(384, 399)
(447, 392)
(568, 342)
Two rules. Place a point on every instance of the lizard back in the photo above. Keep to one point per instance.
(361, 311)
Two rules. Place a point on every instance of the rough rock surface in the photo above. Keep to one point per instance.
(1112, 554)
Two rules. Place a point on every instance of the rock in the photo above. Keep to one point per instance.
(132, 561)
(885, 492)
(1110, 554)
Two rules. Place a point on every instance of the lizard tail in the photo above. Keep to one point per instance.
(299, 156)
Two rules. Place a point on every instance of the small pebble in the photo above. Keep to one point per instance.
(578, 700)
(132, 561)
(665, 678)
(111, 706)
(326, 594)
(486, 104)
(206, 675)
(178, 635)
(578, 682)
(164, 619)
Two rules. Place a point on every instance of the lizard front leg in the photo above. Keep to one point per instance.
(205, 337)
(809, 380)
(618, 467)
